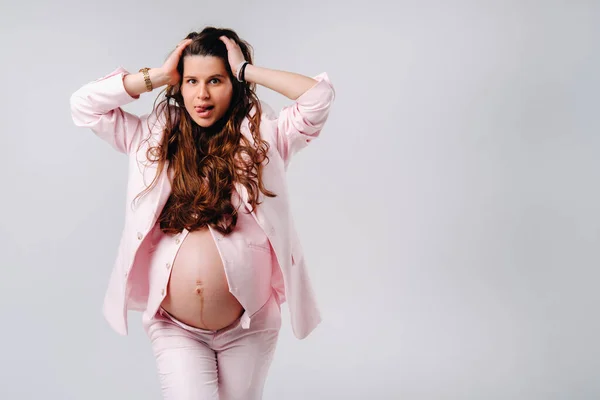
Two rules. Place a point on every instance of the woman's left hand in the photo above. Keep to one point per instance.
(234, 53)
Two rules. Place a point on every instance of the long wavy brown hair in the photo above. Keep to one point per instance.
(204, 163)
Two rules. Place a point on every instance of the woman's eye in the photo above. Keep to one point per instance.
(214, 80)
(190, 80)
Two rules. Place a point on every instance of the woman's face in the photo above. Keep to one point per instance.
(206, 89)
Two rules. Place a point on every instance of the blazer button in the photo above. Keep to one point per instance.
(140, 236)
(168, 265)
(162, 292)
(177, 241)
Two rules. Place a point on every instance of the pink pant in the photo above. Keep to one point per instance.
(230, 363)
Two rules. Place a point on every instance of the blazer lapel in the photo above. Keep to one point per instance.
(152, 203)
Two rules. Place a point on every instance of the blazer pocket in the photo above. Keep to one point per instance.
(266, 249)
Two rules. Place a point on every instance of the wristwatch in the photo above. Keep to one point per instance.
(147, 78)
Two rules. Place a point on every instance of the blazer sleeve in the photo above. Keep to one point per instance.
(97, 105)
(302, 121)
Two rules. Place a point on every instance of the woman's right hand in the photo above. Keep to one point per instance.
(169, 68)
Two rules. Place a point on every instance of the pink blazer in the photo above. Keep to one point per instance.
(96, 105)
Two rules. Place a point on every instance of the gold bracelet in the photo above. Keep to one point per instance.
(147, 78)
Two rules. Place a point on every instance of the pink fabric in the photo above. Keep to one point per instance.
(231, 363)
(97, 105)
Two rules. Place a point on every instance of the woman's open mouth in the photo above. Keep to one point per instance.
(204, 112)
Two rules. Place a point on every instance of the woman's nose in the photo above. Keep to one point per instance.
(203, 92)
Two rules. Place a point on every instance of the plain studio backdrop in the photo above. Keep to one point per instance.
(449, 211)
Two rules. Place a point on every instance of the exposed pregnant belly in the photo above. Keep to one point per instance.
(197, 292)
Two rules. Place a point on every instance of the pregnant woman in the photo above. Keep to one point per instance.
(209, 251)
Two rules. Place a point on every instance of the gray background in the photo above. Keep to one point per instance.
(449, 212)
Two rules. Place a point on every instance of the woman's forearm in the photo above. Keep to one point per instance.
(135, 84)
(289, 84)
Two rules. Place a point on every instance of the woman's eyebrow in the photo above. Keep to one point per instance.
(210, 77)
